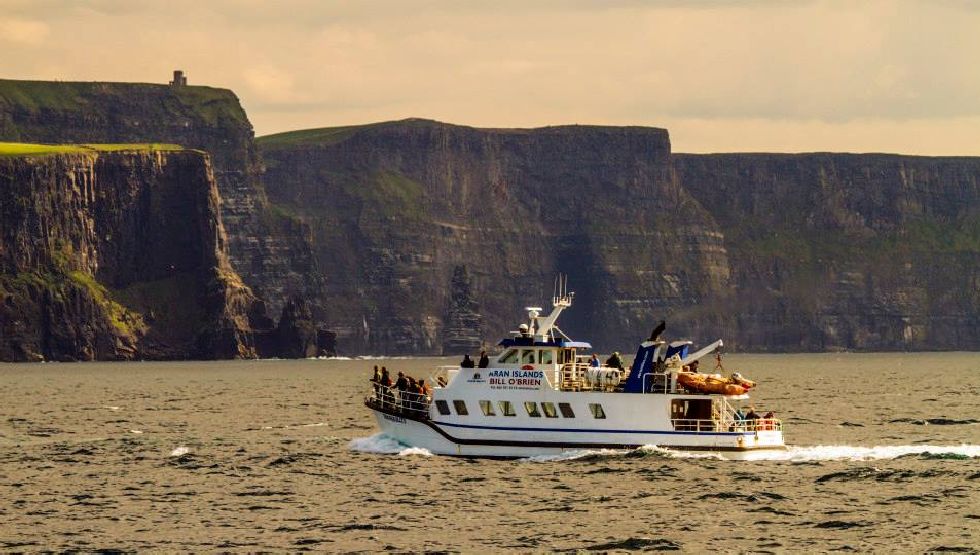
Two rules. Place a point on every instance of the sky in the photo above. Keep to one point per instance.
(721, 76)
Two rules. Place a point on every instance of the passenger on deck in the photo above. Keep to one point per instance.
(467, 362)
(484, 360)
(768, 421)
(424, 388)
(594, 361)
(386, 397)
(693, 367)
(376, 380)
(402, 383)
(614, 361)
(752, 415)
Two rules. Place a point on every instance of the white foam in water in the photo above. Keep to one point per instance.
(855, 453)
(791, 454)
(179, 451)
(380, 443)
(644, 450)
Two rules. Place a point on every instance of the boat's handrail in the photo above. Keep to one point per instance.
(403, 402)
(573, 377)
(659, 382)
(711, 425)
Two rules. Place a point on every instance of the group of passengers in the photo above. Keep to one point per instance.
(752, 420)
(467, 362)
(614, 361)
(411, 393)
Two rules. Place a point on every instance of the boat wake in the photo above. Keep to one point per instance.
(645, 451)
(385, 445)
(856, 453)
(790, 454)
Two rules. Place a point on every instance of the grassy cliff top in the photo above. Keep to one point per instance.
(30, 149)
(212, 105)
(333, 135)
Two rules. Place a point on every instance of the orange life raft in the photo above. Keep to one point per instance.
(711, 383)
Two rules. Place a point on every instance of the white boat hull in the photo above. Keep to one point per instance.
(444, 438)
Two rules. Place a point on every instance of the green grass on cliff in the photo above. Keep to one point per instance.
(125, 321)
(30, 149)
(324, 136)
(151, 101)
(330, 135)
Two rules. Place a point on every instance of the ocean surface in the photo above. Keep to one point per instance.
(282, 455)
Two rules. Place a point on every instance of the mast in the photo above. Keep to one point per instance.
(541, 328)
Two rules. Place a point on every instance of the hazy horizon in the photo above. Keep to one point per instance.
(720, 76)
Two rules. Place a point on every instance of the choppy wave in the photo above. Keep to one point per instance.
(857, 453)
(179, 452)
(386, 445)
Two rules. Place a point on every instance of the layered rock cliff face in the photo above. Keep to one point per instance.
(845, 251)
(396, 208)
(773, 253)
(266, 246)
(116, 255)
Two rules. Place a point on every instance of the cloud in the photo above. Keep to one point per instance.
(23, 31)
(270, 84)
(872, 75)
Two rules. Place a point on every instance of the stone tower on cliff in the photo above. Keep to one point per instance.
(180, 80)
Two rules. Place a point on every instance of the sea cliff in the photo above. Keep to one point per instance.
(433, 237)
(267, 247)
(846, 251)
(417, 223)
(115, 252)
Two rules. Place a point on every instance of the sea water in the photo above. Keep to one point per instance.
(884, 455)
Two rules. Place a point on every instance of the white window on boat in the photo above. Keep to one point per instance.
(566, 410)
(510, 357)
(487, 408)
(460, 407)
(442, 406)
(549, 409)
(527, 356)
(597, 411)
(506, 408)
(547, 357)
(532, 409)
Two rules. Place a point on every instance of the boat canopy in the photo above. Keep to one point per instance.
(530, 342)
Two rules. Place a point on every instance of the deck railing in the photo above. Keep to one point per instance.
(709, 425)
(389, 399)
(573, 377)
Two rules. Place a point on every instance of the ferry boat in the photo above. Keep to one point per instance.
(544, 396)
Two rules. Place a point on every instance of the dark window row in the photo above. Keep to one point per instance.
(506, 408)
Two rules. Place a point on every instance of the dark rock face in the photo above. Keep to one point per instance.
(771, 252)
(395, 208)
(297, 335)
(116, 256)
(268, 247)
(462, 331)
(844, 251)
